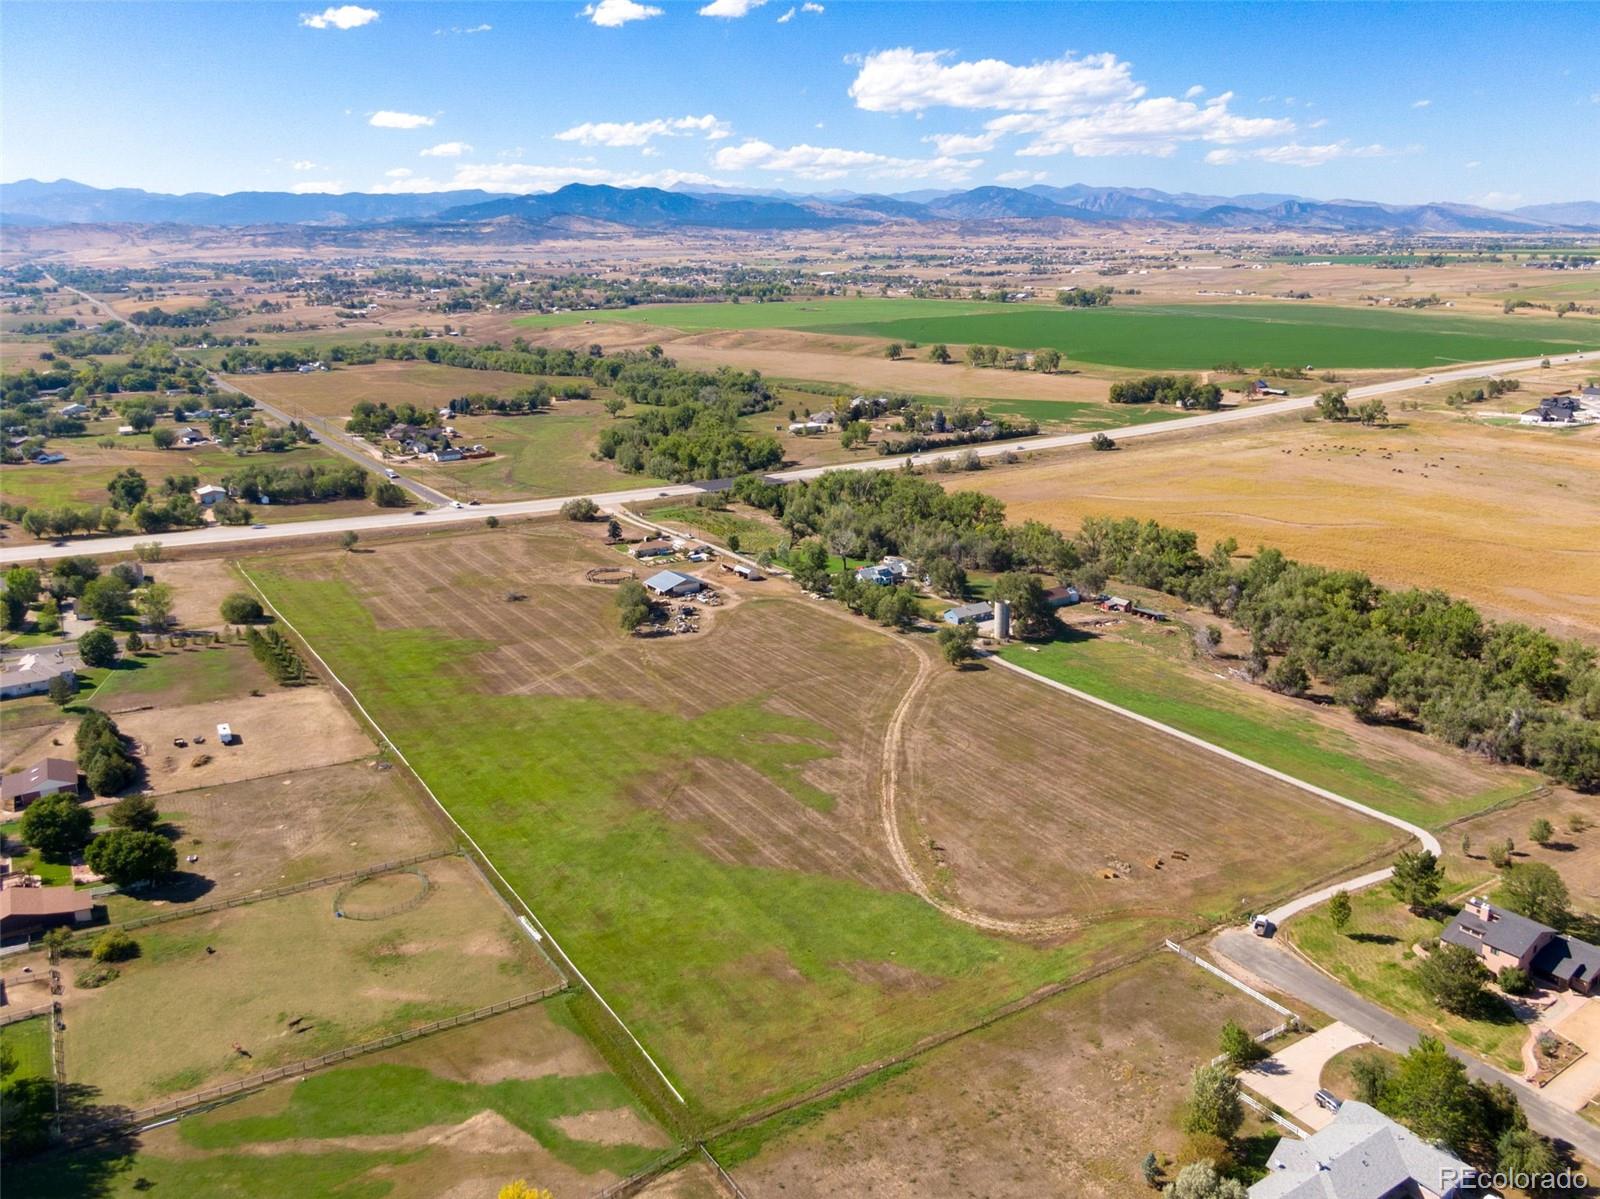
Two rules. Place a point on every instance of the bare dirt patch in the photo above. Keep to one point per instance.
(618, 1126)
(287, 730)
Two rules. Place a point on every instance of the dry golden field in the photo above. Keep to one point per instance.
(1504, 516)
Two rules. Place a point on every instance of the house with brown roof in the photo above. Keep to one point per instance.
(28, 911)
(46, 777)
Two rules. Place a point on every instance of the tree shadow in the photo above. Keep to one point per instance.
(1374, 938)
(96, 1148)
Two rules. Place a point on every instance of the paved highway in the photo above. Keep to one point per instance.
(1282, 970)
(14, 551)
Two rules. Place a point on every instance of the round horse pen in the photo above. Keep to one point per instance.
(379, 896)
(610, 576)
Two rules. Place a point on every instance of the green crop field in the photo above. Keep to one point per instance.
(1178, 336)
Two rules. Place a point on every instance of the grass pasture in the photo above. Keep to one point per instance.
(1065, 1098)
(520, 1095)
(29, 1040)
(1178, 336)
(286, 980)
(1402, 775)
(719, 868)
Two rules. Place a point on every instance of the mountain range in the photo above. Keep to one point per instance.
(579, 207)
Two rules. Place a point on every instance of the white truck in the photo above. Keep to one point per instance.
(224, 734)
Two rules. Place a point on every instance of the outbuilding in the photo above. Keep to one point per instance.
(28, 911)
(46, 777)
(670, 582)
(652, 549)
(210, 493)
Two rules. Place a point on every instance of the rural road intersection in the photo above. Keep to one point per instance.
(446, 515)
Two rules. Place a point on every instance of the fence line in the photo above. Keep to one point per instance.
(632, 1184)
(26, 1014)
(476, 848)
(239, 901)
(1229, 979)
(1251, 1101)
(723, 1176)
(254, 1082)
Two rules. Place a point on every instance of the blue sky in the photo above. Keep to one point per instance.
(1495, 104)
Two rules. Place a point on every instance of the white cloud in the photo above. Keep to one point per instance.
(730, 9)
(1296, 155)
(964, 143)
(1021, 177)
(346, 16)
(824, 162)
(1089, 106)
(303, 164)
(523, 178)
(388, 119)
(399, 173)
(447, 150)
(1317, 124)
(640, 133)
(1500, 200)
(1154, 126)
(906, 80)
(611, 14)
(483, 28)
(1196, 90)
(808, 6)
(1473, 165)
(319, 187)
(1421, 103)
(787, 17)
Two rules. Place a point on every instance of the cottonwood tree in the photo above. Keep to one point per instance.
(1213, 1106)
(155, 605)
(1535, 890)
(127, 856)
(97, 648)
(57, 826)
(956, 644)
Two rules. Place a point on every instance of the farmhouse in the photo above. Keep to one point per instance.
(670, 582)
(47, 458)
(1554, 410)
(209, 493)
(1362, 1155)
(46, 777)
(1061, 597)
(1501, 938)
(881, 575)
(1262, 388)
(31, 674)
(75, 410)
(26, 911)
(652, 549)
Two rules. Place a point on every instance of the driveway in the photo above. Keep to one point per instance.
(1263, 961)
(1291, 1078)
(1579, 1082)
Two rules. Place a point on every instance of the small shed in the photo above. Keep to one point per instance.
(670, 582)
(210, 493)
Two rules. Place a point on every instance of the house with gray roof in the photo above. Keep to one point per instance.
(1502, 938)
(1361, 1155)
